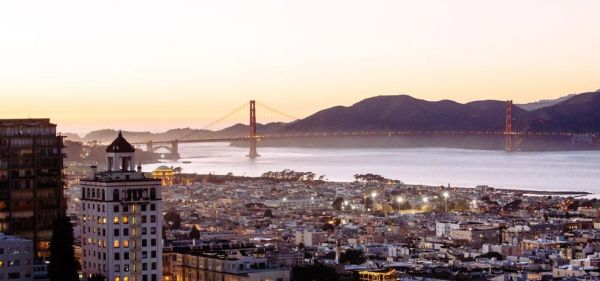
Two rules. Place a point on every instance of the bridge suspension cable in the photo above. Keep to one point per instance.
(293, 118)
(211, 124)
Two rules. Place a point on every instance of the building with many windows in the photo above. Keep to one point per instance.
(234, 263)
(16, 258)
(31, 180)
(121, 227)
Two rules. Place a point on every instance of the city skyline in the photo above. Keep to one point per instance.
(191, 62)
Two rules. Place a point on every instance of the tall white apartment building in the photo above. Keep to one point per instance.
(122, 221)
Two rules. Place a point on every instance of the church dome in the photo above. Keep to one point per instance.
(120, 145)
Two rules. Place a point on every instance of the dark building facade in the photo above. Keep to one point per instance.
(31, 180)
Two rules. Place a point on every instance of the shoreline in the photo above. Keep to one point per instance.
(522, 192)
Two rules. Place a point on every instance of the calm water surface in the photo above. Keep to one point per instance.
(570, 170)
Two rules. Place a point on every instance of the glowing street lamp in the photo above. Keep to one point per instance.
(373, 195)
(425, 199)
(446, 195)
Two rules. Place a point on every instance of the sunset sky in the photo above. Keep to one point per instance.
(154, 65)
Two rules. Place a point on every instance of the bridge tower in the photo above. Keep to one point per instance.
(149, 146)
(175, 149)
(508, 131)
(252, 136)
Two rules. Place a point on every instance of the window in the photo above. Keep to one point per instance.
(153, 254)
(125, 231)
(126, 256)
(144, 208)
(116, 220)
(116, 209)
(152, 218)
(144, 242)
(152, 193)
(153, 242)
(153, 230)
(125, 243)
(117, 256)
(116, 232)
(144, 230)
(116, 195)
(144, 219)
(117, 267)
(116, 244)
(125, 220)
(152, 207)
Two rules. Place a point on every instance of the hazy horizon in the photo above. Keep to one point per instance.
(151, 65)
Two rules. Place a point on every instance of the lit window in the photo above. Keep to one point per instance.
(125, 243)
(116, 244)
(126, 278)
(125, 220)
(116, 220)
(117, 278)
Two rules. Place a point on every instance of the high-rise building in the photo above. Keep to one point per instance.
(31, 180)
(121, 228)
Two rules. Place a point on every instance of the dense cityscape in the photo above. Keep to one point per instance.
(165, 224)
(281, 140)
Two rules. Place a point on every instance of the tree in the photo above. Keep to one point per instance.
(194, 233)
(268, 213)
(490, 255)
(352, 256)
(63, 265)
(172, 220)
(314, 272)
(337, 203)
(328, 227)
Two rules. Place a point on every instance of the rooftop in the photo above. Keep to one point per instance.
(120, 145)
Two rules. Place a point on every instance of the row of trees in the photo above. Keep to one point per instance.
(373, 178)
(291, 175)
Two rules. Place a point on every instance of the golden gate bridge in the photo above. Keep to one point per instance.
(252, 135)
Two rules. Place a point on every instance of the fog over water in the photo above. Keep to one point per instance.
(565, 170)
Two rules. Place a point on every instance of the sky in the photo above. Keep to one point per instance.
(155, 65)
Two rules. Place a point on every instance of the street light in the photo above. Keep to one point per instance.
(446, 195)
(425, 199)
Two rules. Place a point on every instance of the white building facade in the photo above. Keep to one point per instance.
(122, 220)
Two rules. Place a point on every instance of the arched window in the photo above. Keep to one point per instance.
(93, 193)
(116, 195)
(152, 193)
(103, 195)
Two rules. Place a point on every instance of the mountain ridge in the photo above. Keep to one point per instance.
(578, 113)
